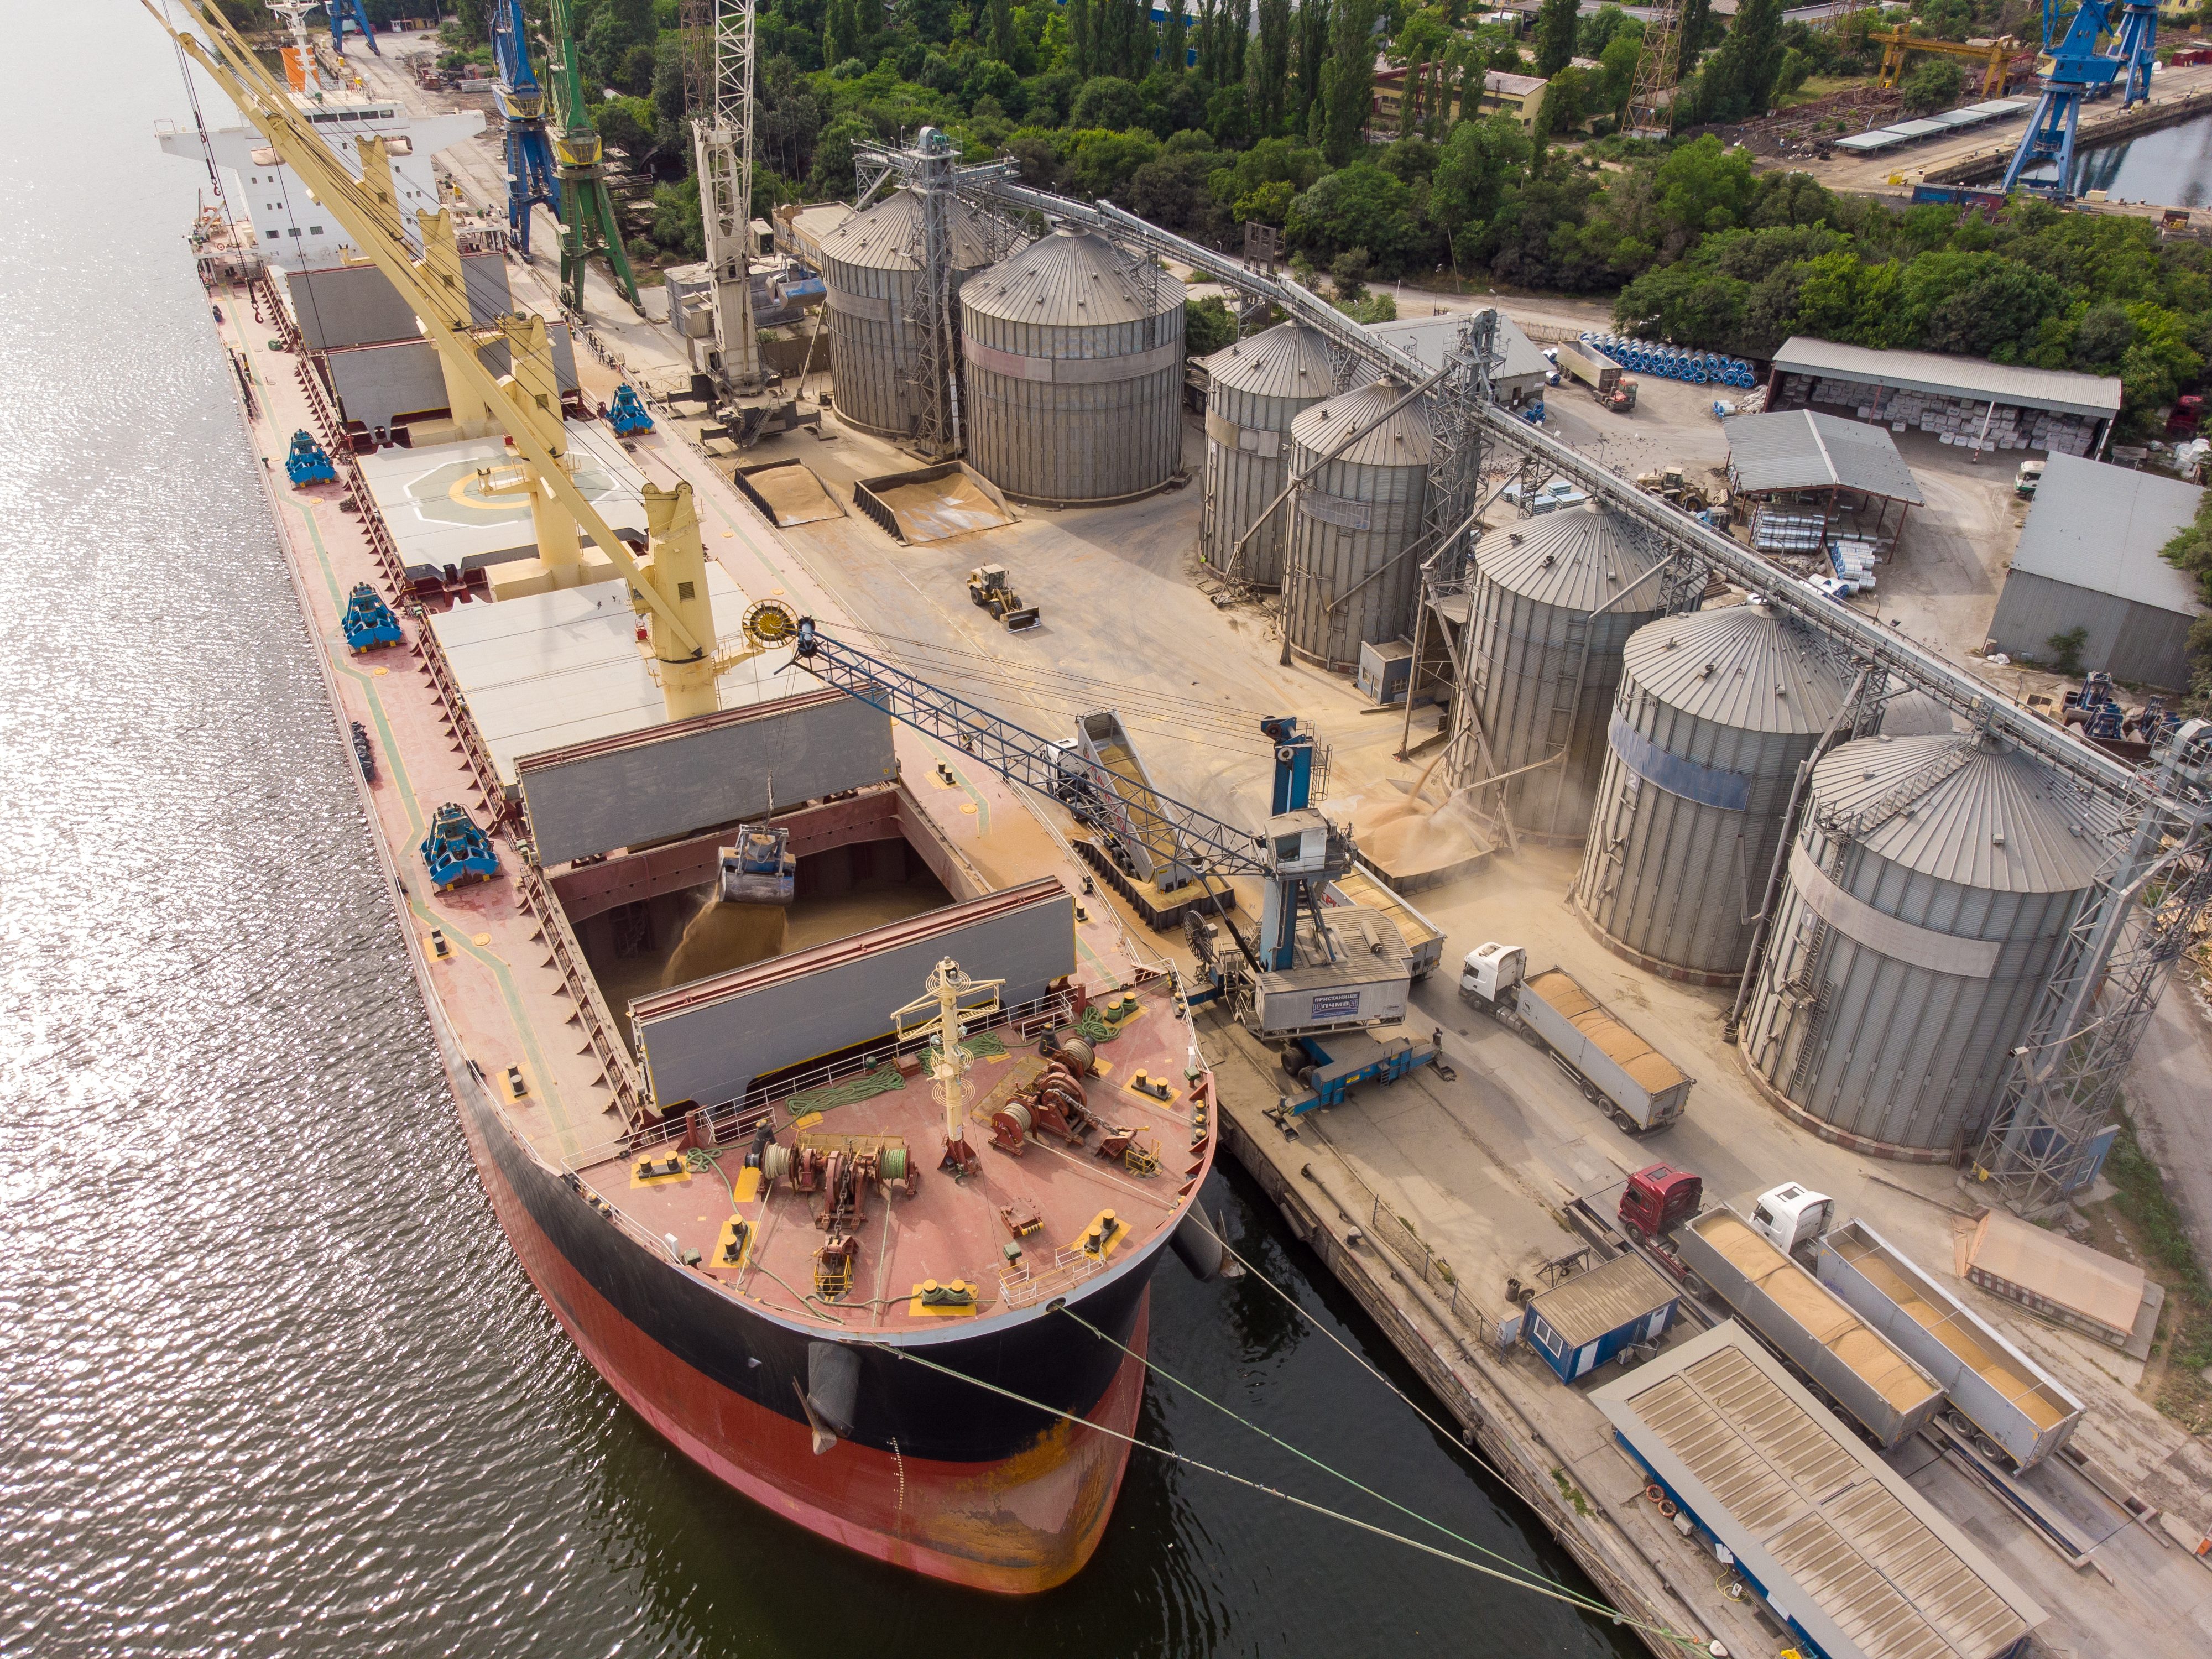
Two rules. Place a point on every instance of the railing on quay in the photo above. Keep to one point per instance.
(1392, 1230)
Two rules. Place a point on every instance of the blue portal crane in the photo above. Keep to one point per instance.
(531, 178)
(342, 9)
(2080, 68)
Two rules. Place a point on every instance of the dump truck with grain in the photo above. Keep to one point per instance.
(1639, 1087)
(1606, 384)
(1810, 1326)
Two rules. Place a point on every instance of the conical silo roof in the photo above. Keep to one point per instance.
(888, 236)
(1576, 560)
(1072, 279)
(1744, 666)
(1982, 814)
(1287, 360)
(1404, 440)
(1916, 715)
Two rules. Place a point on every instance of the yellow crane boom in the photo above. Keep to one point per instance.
(375, 230)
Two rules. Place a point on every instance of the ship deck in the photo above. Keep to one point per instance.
(950, 1231)
(505, 994)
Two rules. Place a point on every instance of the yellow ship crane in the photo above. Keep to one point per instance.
(670, 586)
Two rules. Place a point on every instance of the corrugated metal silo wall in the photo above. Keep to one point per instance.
(1248, 462)
(873, 348)
(1890, 1049)
(1521, 667)
(1351, 521)
(1674, 873)
(1077, 414)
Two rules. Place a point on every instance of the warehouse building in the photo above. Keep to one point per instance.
(1848, 1558)
(2088, 558)
(1517, 368)
(1963, 401)
(1811, 480)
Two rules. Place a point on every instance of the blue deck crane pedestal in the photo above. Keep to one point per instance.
(456, 850)
(306, 464)
(349, 11)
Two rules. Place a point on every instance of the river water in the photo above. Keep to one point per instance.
(2170, 166)
(270, 1381)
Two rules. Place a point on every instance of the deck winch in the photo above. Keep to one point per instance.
(306, 464)
(456, 850)
(369, 621)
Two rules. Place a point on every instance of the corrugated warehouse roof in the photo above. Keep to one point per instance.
(1287, 360)
(1404, 440)
(2097, 395)
(1577, 559)
(1072, 279)
(1743, 666)
(2101, 527)
(1984, 815)
(888, 236)
(1867, 1567)
(1796, 449)
(1612, 1294)
(1429, 337)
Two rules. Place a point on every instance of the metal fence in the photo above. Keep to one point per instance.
(1396, 1234)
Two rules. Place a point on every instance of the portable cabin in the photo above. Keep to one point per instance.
(1578, 1325)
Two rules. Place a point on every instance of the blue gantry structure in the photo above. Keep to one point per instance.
(341, 12)
(2103, 43)
(531, 176)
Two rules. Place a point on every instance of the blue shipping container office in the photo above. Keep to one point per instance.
(1588, 1319)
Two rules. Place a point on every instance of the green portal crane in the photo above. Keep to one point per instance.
(587, 213)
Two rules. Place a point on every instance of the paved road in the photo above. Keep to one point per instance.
(2172, 1107)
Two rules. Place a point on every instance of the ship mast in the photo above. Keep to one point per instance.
(949, 1000)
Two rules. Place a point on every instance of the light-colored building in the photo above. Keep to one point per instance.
(1516, 377)
(2088, 558)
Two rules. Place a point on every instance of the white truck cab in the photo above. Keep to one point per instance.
(1490, 971)
(1791, 1215)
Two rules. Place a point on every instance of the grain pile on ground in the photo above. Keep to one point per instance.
(938, 508)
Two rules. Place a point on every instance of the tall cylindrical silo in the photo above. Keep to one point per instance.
(1550, 602)
(1929, 888)
(1256, 389)
(869, 265)
(1343, 581)
(1074, 371)
(1715, 715)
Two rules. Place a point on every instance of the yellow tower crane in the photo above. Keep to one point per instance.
(669, 587)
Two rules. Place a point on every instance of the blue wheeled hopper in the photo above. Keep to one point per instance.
(306, 464)
(628, 415)
(369, 621)
(456, 851)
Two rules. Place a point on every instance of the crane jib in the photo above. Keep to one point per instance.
(1011, 751)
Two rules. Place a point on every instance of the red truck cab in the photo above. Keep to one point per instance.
(1659, 1198)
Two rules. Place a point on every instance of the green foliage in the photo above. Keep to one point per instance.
(1556, 29)
(1108, 101)
(1360, 206)
(1100, 163)
(1608, 23)
(2066, 651)
(677, 228)
(1208, 327)
(2150, 1210)
(628, 123)
(1931, 84)
(2190, 550)
(1347, 79)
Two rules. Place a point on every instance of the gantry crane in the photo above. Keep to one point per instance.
(1898, 46)
(342, 9)
(2081, 70)
(530, 176)
(722, 150)
(669, 587)
(587, 213)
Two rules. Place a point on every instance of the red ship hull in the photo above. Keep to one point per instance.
(1022, 1517)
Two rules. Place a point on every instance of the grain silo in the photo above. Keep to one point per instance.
(869, 267)
(1550, 602)
(1074, 371)
(1343, 581)
(1256, 389)
(1929, 889)
(1715, 715)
